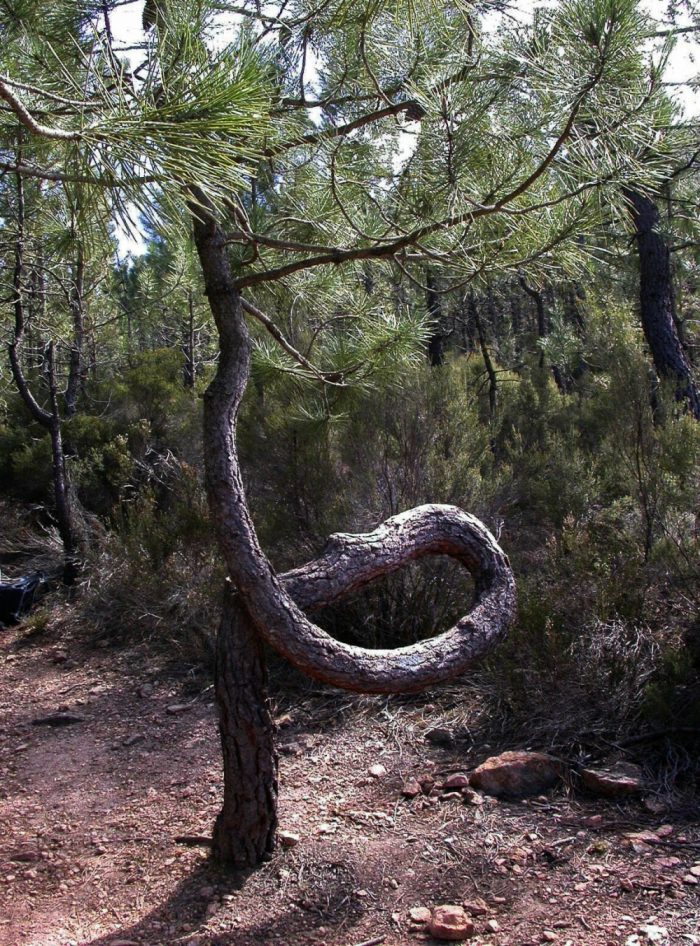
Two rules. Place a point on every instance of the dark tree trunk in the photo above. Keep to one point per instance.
(269, 605)
(188, 347)
(244, 832)
(76, 375)
(657, 304)
(488, 363)
(436, 342)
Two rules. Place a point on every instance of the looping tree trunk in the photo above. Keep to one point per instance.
(351, 562)
(269, 607)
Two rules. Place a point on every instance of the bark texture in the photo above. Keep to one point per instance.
(244, 832)
(657, 302)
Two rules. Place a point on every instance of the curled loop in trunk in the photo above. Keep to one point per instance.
(351, 562)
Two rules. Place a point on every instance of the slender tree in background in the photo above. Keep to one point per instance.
(656, 302)
(419, 142)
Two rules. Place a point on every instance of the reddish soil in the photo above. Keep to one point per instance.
(90, 813)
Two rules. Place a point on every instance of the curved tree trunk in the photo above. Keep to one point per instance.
(266, 601)
(657, 303)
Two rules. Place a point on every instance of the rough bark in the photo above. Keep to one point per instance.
(657, 302)
(244, 832)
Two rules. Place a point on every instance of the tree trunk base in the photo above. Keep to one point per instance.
(244, 832)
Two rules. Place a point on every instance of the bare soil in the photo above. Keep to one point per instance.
(90, 814)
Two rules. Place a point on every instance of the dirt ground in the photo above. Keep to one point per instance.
(90, 813)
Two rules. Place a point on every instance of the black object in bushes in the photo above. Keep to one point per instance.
(17, 597)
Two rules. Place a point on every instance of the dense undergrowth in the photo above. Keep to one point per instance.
(593, 493)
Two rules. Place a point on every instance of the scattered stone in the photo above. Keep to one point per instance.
(450, 923)
(626, 885)
(146, 689)
(411, 789)
(25, 857)
(288, 839)
(516, 774)
(58, 719)
(665, 831)
(176, 708)
(691, 880)
(477, 907)
(472, 797)
(133, 740)
(290, 748)
(59, 657)
(451, 796)
(440, 737)
(455, 782)
(549, 936)
(651, 933)
(623, 778)
(695, 870)
(377, 771)
(493, 926)
(419, 915)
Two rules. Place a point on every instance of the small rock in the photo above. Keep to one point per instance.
(440, 737)
(516, 774)
(59, 657)
(206, 891)
(411, 789)
(695, 870)
(450, 922)
(654, 805)
(653, 933)
(493, 926)
(133, 740)
(283, 721)
(26, 857)
(290, 748)
(377, 771)
(419, 915)
(451, 796)
(146, 689)
(427, 783)
(176, 708)
(58, 719)
(691, 880)
(627, 885)
(477, 907)
(549, 936)
(619, 780)
(455, 781)
(288, 839)
(471, 797)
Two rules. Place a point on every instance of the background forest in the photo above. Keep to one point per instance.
(537, 371)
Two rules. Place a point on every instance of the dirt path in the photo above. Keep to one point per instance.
(89, 813)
